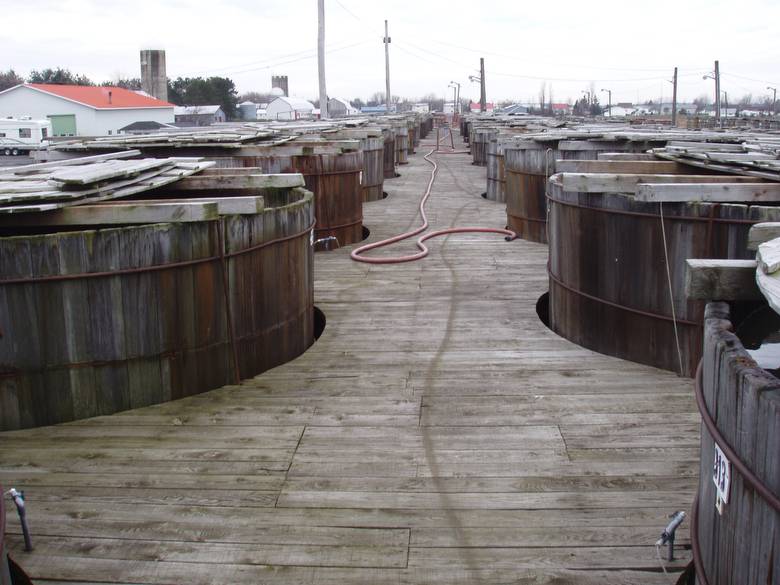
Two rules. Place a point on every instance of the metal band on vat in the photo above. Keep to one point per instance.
(649, 314)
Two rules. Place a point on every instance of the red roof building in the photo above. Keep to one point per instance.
(101, 97)
(81, 110)
(474, 107)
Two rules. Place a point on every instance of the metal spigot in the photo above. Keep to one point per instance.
(667, 537)
(327, 240)
(18, 498)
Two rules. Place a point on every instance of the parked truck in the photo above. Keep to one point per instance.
(22, 135)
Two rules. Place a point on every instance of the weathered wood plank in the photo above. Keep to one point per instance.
(722, 280)
(729, 191)
(628, 183)
(762, 232)
(118, 214)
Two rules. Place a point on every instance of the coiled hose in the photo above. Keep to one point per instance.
(357, 254)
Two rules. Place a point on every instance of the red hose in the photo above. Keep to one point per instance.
(357, 254)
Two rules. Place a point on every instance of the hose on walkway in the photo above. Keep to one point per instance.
(357, 254)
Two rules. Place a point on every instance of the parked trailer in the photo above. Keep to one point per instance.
(21, 136)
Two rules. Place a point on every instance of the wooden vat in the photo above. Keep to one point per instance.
(102, 320)
(609, 289)
(401, 145)
(389, 154)
(740, 404)
(527, 166)
(412, 142)
(372, 145)
(496, 169)
(496, 178)
(426, 125)
(480, 139)
(331, 170)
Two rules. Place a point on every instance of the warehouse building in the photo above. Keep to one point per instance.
(79, 110)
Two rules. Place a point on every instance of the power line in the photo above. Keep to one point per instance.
(749, 78)
(309, 54)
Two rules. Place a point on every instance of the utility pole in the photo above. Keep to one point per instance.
(482, 100)
(717, 93)
(674, 98)
(321, 58)
(774, 99)
(609, 107)
(386, 41)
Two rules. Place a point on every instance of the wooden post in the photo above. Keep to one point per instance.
(482, 100)
(321, 58)
(386, 41)
(674, 98)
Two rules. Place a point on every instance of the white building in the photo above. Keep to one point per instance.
(341, 108)
(287, 108)
(199, 115)
(79, 110)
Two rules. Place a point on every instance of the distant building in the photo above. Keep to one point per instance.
(664, 108)
(80, 110)
(198, 115)
(380, 109)
(287, 108)
(474, 107)
(514, 110)
(619, 111)
(341, 108)
(421, 108)
(146, 128)
(562, 109)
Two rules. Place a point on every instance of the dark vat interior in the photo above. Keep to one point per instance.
(18, 576)
(759, 331)
(484, 195)
(385, 195)
(543, 309)
(366, 233)
(319, 322)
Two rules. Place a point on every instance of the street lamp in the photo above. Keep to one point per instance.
(457, 95)
(454, 95)
(609, 107)
(774, 98)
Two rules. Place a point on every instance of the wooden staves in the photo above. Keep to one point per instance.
(609, 285)
(738, 544)
(98, 321)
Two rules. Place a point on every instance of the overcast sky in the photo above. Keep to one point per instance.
(628, 47)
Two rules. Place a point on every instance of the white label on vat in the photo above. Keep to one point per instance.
(721, 475)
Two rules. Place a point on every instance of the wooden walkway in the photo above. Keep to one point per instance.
(436, 433)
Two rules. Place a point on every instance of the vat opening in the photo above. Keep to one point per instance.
(484, 195)
(758, 328)
(319, 322)
(543, 309)
(385, 195)
(18, 576)
(366, 233)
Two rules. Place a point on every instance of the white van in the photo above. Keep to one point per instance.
(22, 135)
